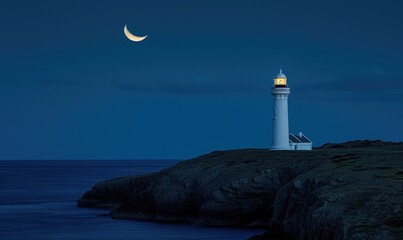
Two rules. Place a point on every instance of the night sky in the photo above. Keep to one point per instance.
(72, 86)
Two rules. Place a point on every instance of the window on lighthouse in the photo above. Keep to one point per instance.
(280, 81)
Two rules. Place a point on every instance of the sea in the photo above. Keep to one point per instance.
(38, 201)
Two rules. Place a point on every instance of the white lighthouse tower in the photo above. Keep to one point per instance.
(280, 92)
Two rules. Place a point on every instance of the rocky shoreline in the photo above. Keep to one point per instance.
(352, 190)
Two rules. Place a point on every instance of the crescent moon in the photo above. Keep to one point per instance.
(133, 37)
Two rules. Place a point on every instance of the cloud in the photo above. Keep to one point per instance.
(376, 86)
(58, 82)
(195, 85)
(362, 84)
(365, 87)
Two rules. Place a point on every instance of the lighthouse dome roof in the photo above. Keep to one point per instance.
(281, 74)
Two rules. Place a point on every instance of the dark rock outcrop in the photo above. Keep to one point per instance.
(339, 191)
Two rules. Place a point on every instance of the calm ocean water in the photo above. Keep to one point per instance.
(38, 201)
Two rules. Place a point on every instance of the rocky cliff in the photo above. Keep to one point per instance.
(352, 190)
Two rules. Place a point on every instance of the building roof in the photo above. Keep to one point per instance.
(293, 139)
(298, 138)
(281, 75)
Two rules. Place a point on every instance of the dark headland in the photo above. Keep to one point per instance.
(352, 190)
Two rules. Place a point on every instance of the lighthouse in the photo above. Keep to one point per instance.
(282, 139)
(280, 92)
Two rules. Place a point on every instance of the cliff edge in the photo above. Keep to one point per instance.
(352, 190)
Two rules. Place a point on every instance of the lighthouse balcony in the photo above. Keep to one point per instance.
(280, 90)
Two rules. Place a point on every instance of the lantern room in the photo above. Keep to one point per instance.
(280, 80)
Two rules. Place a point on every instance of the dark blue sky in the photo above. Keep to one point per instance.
(73, 87)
